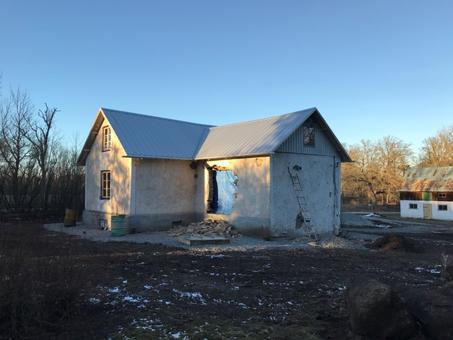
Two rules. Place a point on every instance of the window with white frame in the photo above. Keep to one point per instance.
(442, 207)
(413, 206)
(106, 138)
(105, 184)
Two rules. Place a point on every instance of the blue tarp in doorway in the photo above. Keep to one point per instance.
(227, 188)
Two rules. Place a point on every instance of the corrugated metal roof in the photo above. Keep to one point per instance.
(429, 179)
(156, 137)
(256, 137)
(145, 136)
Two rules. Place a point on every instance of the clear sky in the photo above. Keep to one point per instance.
(373, 68)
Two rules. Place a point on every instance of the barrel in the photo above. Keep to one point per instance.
(70, 217)
(119, 227)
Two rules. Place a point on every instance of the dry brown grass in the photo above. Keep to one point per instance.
(37, 293)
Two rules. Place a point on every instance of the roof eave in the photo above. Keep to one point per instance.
(217, 158)
(94, 130)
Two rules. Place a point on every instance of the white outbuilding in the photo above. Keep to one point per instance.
(428, 193)
(278, 175)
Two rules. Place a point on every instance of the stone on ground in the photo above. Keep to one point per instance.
(377, 312)
(434, 311)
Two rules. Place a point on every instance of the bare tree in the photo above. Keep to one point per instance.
(377, 171)
(394, 156)
(14, 147)
(42, 142)
(438, 150)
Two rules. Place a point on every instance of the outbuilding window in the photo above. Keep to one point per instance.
(442, 207)
(309, 135)
(105, 184)
(441, 196)
(106, 138)
(413, 206)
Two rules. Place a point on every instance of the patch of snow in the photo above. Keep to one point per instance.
(165, 302)
(147, 286)
(114, 290)
(384, 226)
(435, 271)
(190, 295)
(94, 301)
(177, 335)
(131, 299)
(372, 215)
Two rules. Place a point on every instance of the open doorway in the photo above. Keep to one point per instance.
(222, 191)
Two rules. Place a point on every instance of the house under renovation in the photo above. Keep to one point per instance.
(428, 193)
(279, 175)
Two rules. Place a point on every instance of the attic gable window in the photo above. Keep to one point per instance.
(106, 138)
(309, 135)
(105, 184)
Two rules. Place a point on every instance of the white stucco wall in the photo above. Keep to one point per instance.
(411, 213)
(251, 207)
(163, 192)
(320, 180)
(418, 213)
(120, 168)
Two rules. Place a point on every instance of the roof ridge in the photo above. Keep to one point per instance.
(157, 117)
(262, 119)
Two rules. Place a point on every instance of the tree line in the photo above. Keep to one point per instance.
(38, 174)
(377, 172)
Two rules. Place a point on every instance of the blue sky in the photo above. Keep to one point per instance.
(373, 68)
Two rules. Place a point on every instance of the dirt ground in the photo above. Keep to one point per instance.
(149, 291)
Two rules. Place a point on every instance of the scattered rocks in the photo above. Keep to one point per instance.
(396, 242)
(377, 312)
(207, 228)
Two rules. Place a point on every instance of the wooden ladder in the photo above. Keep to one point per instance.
(304, 214)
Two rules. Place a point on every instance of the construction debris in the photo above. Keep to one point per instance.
(206, 228)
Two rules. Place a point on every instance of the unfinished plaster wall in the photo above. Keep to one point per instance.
(163, 193)
(251, 205)
(120, 167)
(320, 180)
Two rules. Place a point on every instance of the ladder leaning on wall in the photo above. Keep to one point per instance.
(304, 216)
